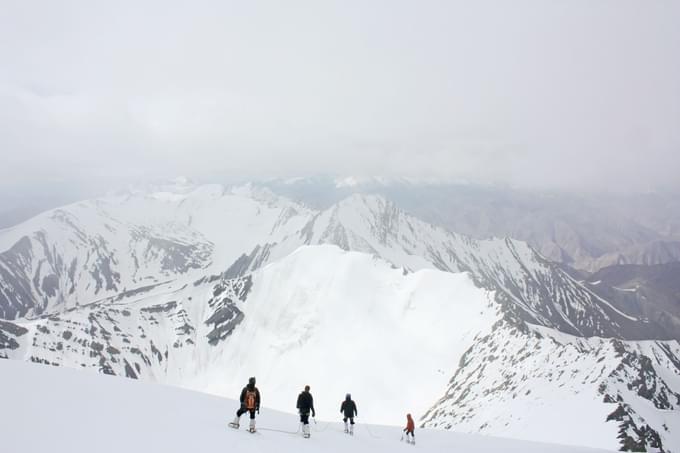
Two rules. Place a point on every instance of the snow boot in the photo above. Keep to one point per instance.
(346, 429)
(305, 431)
(351, 430)
(235, 423)
(252, 426)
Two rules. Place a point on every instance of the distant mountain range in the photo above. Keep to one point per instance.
(587, 231)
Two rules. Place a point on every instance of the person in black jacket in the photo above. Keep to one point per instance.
(305, 405)
(349, 411)
(250, 402)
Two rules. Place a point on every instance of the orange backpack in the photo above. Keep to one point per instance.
(251, 398)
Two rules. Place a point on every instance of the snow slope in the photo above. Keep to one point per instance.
(61, 410)
(348, 322)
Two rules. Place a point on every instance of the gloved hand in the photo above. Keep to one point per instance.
(313, 414)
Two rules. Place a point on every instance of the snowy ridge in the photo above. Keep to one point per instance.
(584, 231)
(513, 380)
(537, 290)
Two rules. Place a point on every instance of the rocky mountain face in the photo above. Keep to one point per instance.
(515, 380)
(246, 280)
(647, 292)
(145, 333)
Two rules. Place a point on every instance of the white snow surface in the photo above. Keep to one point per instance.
(77, 412)
(346, 322)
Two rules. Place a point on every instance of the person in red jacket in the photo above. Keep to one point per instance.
(410, 427)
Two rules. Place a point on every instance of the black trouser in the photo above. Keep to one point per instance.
(304, 418)
(243, 410)
(351, 420)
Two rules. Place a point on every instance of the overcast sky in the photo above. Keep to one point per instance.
(569, 94)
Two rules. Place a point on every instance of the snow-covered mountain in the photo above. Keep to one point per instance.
(77, 255)
(476, 335)
(122, 415)
(96, 249)
(244, 228)
(533, 288)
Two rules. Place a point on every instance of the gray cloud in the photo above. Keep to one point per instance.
(573, 94)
